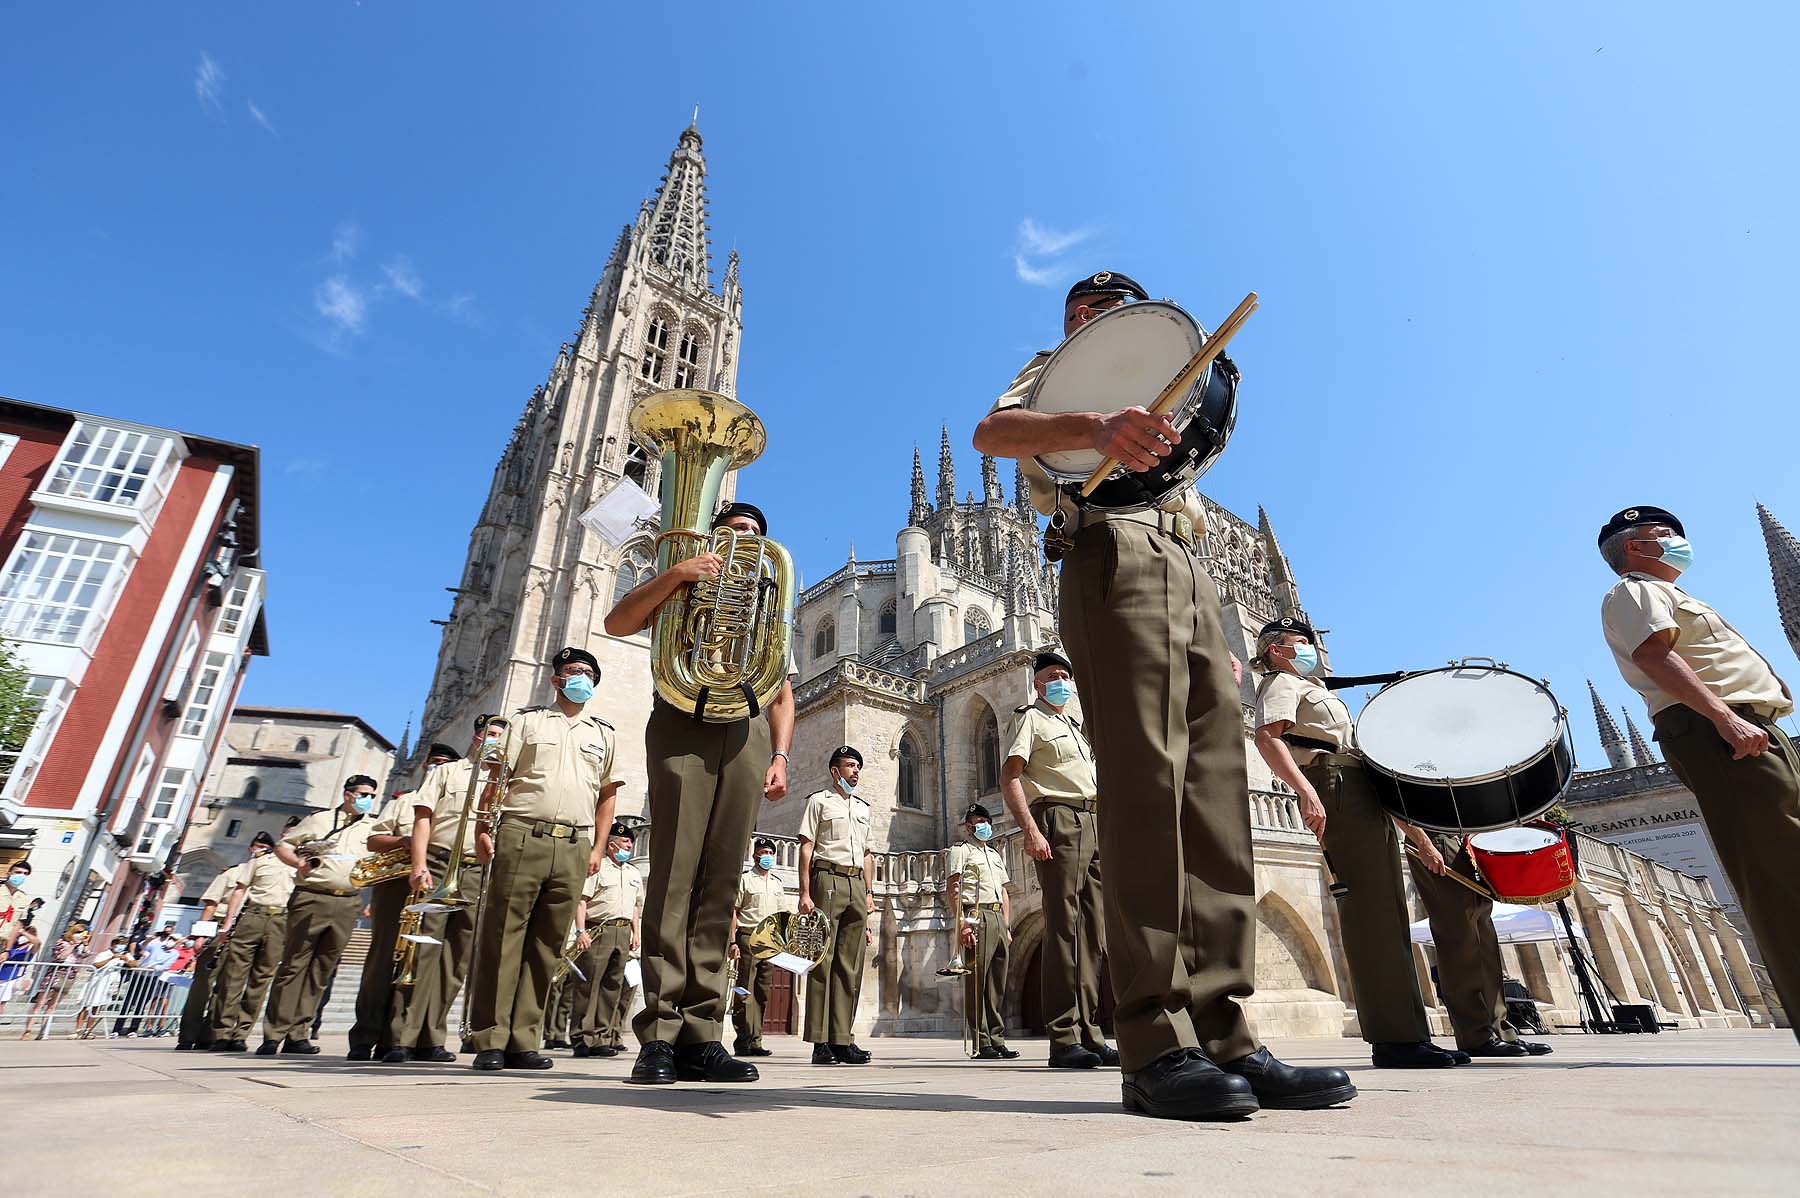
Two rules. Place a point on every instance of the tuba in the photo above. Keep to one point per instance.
(719, 649)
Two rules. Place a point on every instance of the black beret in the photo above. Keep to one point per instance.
(565, 656)
(1046, 658)
(1631, 517)
(843, 751)
(1288, 624)
(976, 811)
(624, 830)
(263, 838)
(440, 749)
(1106, 282)
(482, 721)
(743, 509)
(763, 842)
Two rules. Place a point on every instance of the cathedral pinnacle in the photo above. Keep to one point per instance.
(990, 482)
(1784, 567)
(677, 236)
(1022, 493)
(946, 488)
(1618, 753)
(921, 509)
(1640, 748)
(1281, 575)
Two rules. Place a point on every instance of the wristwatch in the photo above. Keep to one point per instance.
(781, 753)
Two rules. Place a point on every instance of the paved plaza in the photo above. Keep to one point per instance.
(1689, 1113)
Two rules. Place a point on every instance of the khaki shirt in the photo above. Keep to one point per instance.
(348, 841)
(559, 766)
(221, 887)
(1059, 762)
(1044, 496)
(267, 880)
(990, 865)
(1639, 606)
(1309, 706)
(837, 826)
(614, 891)
(395, 817)
(443, 793)
(759, 896)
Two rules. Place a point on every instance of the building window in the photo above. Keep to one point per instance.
(909, 796)
(184, 665)
(890, 618)
(688, 359)
(975, 625)
(637, 464)
(987, 777)
(825, 639)
(163, 807)
(121, 466)
(134, 792)
(25, 740)
(237, 603)
(232, 828)
(57, 586)
(634, 567)
(656, 348)
(252, 789)
(214, 681)
(303, 745)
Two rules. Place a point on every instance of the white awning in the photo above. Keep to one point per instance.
(1513, 924)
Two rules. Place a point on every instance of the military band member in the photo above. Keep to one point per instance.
(561, 758)
(1048, 783)
(321, 914)
(760, 895)
(835, 868)
(975, 895)
(705, 782)
(1714, 700)
(254, 930)
(197, 1013)
(608, 925)
(420, 1015)
(1140, 618)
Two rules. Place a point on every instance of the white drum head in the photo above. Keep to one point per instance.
(1513, 840)
(1120, 360)
(1461, 724)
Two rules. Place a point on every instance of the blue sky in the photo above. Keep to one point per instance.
(1519, 267)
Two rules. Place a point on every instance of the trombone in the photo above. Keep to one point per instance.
(484, 802)
(969, 916)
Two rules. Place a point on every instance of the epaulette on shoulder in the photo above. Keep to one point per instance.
(602, 723)
(1024, 709)
(534, 707)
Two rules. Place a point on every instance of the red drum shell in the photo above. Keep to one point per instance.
(1533, 877)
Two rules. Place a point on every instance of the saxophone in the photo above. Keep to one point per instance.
(719, 649)
(377, 868)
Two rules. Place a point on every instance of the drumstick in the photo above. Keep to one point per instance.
(1477, 887)
(1178, 385)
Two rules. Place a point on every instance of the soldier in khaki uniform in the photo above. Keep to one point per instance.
(1714, 700)
(419, 1016)
(254, 930)
(1140, 618)
(1048, 783)
(197, 1013)
(561, 783)
(321, 914)
(705, 783)
(975, 895)
(835, 867)
(607, 929)
(760, 895)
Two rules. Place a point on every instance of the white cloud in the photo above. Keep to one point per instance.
(261, 118)
(344, 242)
(1037, 256)
(209, 81)
(342, 303)
(1037, 277)
(402, 278)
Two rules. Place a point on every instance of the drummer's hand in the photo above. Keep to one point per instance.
(1237, 668)
(1312, 814)
(1745, 738)
(1429, 857)
(1136, 438)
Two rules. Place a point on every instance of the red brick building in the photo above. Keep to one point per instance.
(130, 592)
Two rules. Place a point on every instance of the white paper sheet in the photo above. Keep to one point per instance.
(634, 973)
(205, 927)
(620, 513)
(798, 966)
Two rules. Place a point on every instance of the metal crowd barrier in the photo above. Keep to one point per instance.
(42, 999)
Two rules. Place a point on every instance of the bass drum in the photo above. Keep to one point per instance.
(1468, 748)
(1122, 359)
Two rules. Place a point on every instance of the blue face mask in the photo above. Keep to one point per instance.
(767, 860)
(984, 831)
(1677, 554)
(1059, 692)
(363, 803)
(622, 856)
(579, 688)
(1306, 660)
(845, 786)
(16, 881)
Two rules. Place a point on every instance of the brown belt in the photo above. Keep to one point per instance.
(614, 923)
(842, 871)
(554, 830)
(333, 891)
(1767, 711)
(268, 908)
(1175, 524)
(1088, 805)
(990, 906)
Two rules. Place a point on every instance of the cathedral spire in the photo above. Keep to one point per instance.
(1281, 575)
(990, 482)
(1640, 748)
(677, 237)
(1784, 566)
(946, 488)
(1022, 493)
(1618, 753)
(921, 510)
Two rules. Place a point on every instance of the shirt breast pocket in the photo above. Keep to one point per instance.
(1062, 748)
(1698, 621)
(593, 764)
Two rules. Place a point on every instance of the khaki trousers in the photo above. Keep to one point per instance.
(984, 987)
(1373, 920)
(251, 956)
(421, 1015)
(318, 928)
(1141, 622)
(755, 978)
(1073, 915)
(375, 993)
(1752, 811)
(604, 963)
(535, 883)
(835, 983)
(197, 1012)
(705, 786)
(1468, 949)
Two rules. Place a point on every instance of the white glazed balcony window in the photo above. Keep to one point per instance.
(125, 467)
(21, 755)
(60, 588)
(209, 690)
(241, 602)
(163, 806)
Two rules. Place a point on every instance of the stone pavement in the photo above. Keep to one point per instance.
(1697, 1112)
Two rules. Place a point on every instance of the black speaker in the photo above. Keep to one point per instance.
(1635, 1017)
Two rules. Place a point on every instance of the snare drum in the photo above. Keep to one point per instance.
(1529, 864)
(1468, 748)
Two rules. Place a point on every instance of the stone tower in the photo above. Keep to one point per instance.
(1618, 753)
(536, 578)
(1784, 564)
